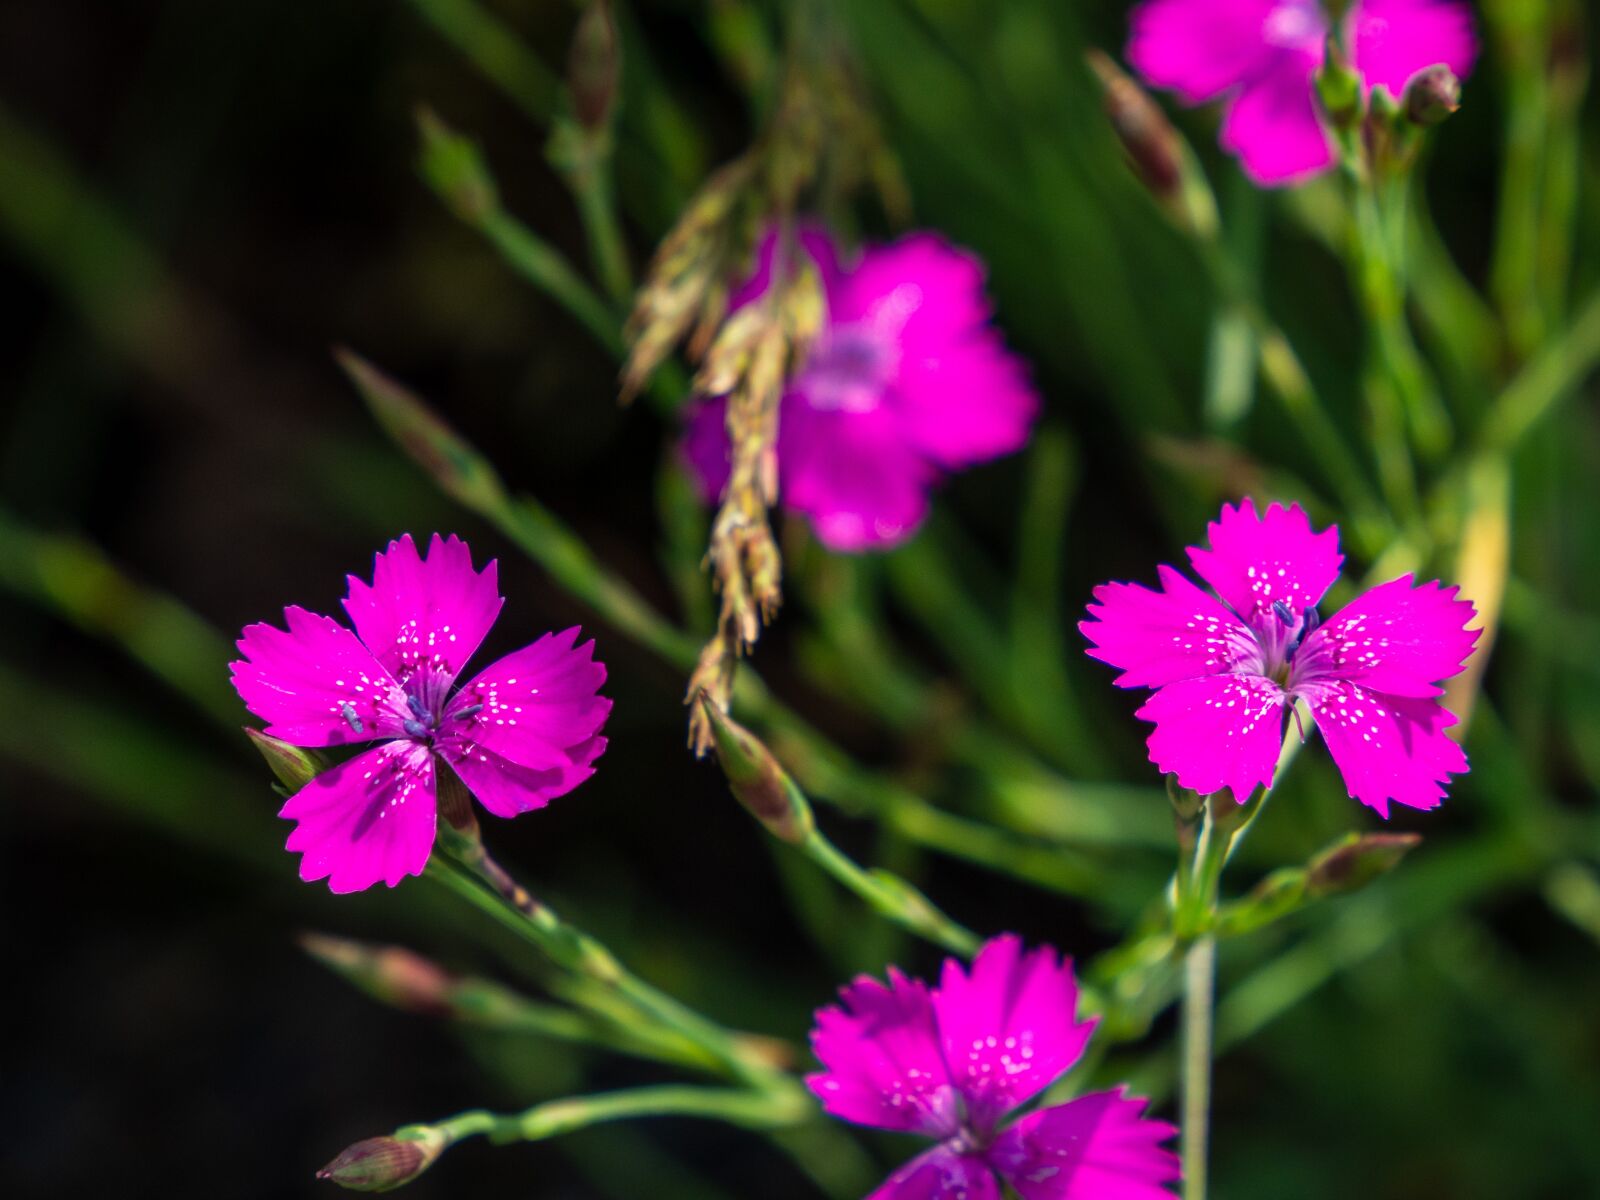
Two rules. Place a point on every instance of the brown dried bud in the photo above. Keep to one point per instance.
(756, 779)
(382, 1163)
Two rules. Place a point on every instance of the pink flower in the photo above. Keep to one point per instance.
(518, 734)
(950, 1063)
(1224, 671)
(1262, 55)
(907, 382)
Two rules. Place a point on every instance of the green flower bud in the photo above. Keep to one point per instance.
(755, 778)
(294, 766)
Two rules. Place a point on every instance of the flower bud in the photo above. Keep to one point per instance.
(1151, 142)
(593, 66)
(1432, 96)
(755, 778)
(294, 766)
(390, 974)
(454, 165)
(1357, 861)
(382, 1163)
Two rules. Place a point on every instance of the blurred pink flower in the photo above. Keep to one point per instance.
(521, 732)
(1262, 54)
(908, 381)
(952, 1062)
(1225, 670)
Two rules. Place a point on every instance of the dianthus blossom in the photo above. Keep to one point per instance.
(907, 382)
(519, 733)
(1262, 57)
(1226, 670)
(955, 1062)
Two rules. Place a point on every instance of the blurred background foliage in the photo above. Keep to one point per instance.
(198, 201)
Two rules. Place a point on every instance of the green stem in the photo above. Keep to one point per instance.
(1554, 373)
(575, 951)
(590, 181)
(541, 263)
(737, 1106)
(1520, 32)
(1286, 378)
(1393, 383)
(891, 896)
(495, 50)
(1199, 988)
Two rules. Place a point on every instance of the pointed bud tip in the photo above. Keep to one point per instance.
(381, 1163)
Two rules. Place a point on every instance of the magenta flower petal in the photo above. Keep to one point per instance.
(953, 1064)
(940, 1174)
(424, 611)
(969, 403)
(538, 707)
(884, 1067)
(1273, 124)
(368, 820)
(1009, 1029)
(1216, 732)
(1256, 563)
(1200, 48)
(920, 292)
(853, 474)
(1097, 1147)
(1396, 638)
(508, 789)
(1157, 638)
(316, 684)
(1394, 39)
(1386, 747)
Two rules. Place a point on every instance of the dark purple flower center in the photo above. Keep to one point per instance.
(848, 370)
(427, 690)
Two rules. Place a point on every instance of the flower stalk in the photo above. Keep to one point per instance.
(770, 795)
(385, 1163)
(474, 875)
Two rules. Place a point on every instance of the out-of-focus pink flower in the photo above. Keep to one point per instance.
(1225, 670)
(521, 732)
(907, 382)
(951, 1062)
(1261, 55)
